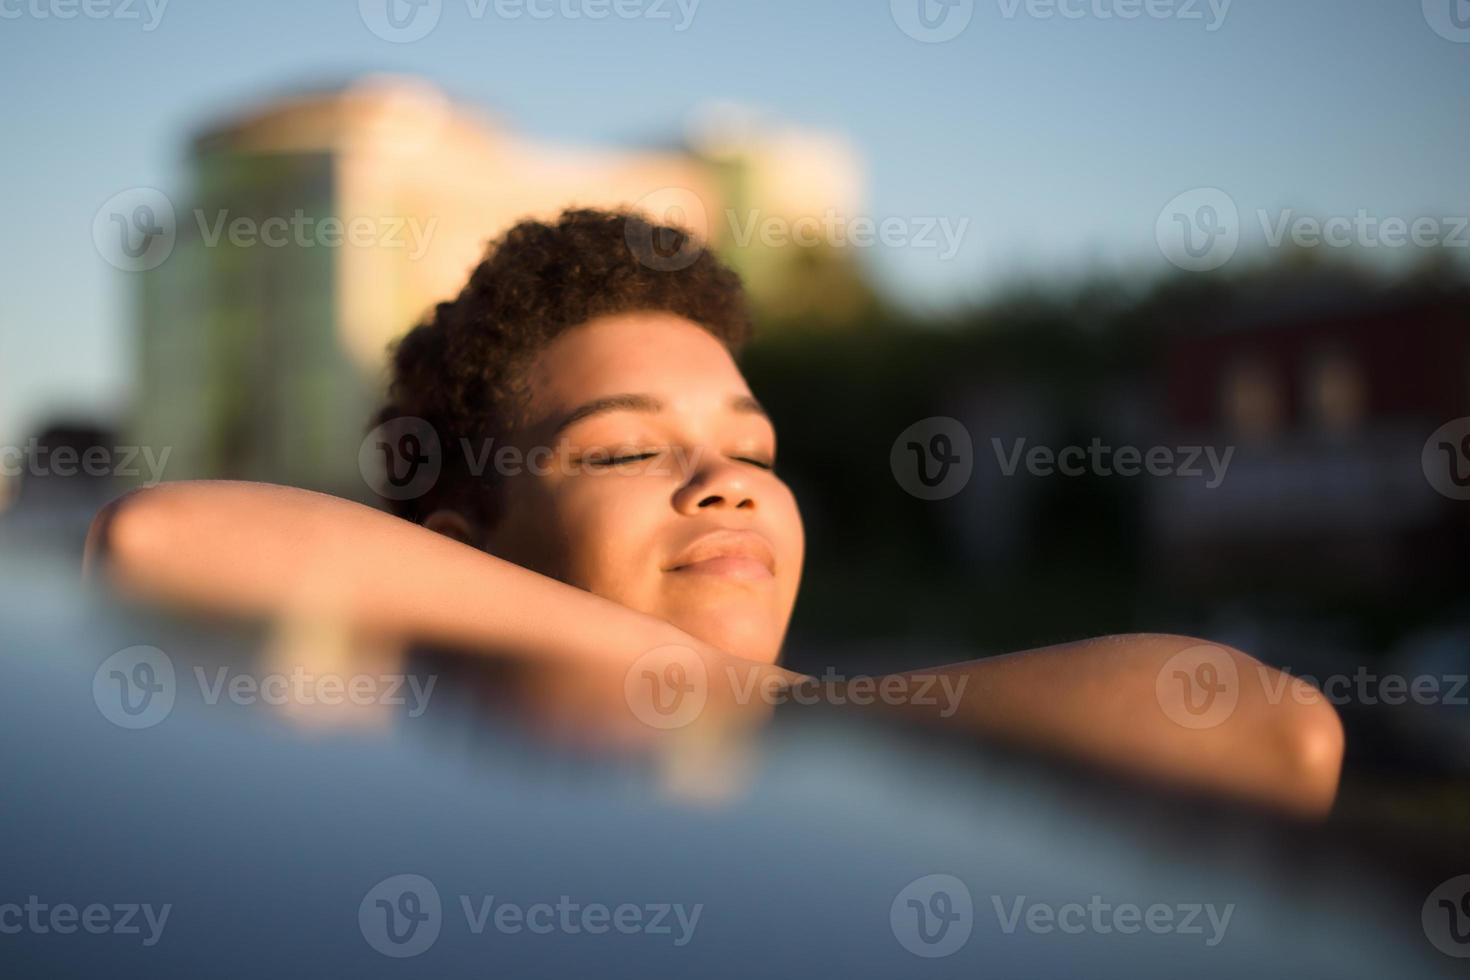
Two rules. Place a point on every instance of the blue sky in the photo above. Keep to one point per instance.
(1059, 138)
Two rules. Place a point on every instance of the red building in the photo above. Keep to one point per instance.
(1327, 395)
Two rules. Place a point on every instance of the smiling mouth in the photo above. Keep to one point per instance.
(740, 555)
(726, 566)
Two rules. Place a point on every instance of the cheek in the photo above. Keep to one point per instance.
(528, 531)
(785, 522)
(609, 527)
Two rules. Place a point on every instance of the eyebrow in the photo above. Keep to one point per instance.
(741, 404)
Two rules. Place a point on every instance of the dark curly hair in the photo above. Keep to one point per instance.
(462, 369)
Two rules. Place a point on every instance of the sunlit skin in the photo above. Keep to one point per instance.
(666, 501)
(653, 522)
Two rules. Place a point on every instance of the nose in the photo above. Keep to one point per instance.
(719, 484)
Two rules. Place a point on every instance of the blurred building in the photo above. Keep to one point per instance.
(358, 208)
(1327, 393)
(58, 479)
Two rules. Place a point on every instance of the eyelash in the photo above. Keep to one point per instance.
(618, 460)
(769, 466)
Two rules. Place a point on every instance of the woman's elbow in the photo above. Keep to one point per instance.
(1283, 729)
(123, 530)
(1303, 735)
(1313, 745)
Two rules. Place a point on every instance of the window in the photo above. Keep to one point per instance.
(1335, 391)
(1252, 400)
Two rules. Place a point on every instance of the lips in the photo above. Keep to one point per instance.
(742, 555)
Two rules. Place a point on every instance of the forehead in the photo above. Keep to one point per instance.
(658, 354)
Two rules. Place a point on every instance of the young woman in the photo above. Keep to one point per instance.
(604, 502)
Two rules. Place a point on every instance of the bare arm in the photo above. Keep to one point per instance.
(262, 550)
(255, 549)
(1168, 707)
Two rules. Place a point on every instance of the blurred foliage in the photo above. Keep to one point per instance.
(882, 563)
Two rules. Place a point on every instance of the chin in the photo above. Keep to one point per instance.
(746, 635)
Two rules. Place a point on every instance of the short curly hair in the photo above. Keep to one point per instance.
(463, 368)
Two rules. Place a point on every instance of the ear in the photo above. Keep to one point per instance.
(452, 524)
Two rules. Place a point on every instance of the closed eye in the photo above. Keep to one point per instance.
(765, 464)
(619, 460)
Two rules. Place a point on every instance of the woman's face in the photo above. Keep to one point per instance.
(648, 481)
